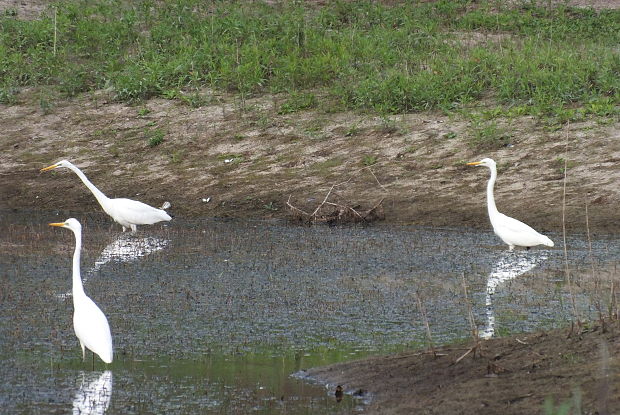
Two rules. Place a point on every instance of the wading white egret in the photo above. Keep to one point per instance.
(128, 213)
(511, 231)
(90, 324)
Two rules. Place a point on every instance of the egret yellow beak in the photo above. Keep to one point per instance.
(57, 224)
(53, 166)
(474, 163)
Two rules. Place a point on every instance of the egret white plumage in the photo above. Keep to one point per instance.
(127, 212)
(510, 230)
(90, 324)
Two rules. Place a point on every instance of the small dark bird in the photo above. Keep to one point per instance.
(339, 393)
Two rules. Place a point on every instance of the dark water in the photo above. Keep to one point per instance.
(214, 316)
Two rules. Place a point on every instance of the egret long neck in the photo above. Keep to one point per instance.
(101, 198)
(78, 288)
(490, 197)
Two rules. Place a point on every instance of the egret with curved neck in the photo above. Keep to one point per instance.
(90, 324)
(510, 230)
(127, 212)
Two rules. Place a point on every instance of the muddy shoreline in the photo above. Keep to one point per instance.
(513, 375)
(218, 161)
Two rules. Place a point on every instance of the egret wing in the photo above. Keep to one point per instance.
(138, 213)
(92, 328)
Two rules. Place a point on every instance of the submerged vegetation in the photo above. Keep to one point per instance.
(527, 58)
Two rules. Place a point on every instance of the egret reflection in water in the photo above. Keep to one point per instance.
(511, 264)
(126, 247)
(93, 396)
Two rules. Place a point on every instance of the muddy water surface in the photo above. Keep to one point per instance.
(213, 316)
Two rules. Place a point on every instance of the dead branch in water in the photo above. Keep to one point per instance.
(429, 337)
(472, 324)
(343, 211)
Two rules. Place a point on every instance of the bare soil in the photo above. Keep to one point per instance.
(247, 160)
(514, 375)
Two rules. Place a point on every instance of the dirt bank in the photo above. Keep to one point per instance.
(247, 159)
(514, 375)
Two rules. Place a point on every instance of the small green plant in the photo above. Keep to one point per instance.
(46, 105)
(388, 125)
(172, 93)
(143, 112)
(177, 156)
(562, 164)
(450, 135)
(487, 135)
(298, 102)
(8, 95)
(194, 100)
(155, 137)
(369, 160)
(270, 206)
(352, 131)
(503, 331)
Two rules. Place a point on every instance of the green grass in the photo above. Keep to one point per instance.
(297, 102)
(410, 56)
(155, 137)
(369, 160)
(487, 135)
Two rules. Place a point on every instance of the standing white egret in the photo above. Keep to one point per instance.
(90, 324)
(128, 213)
(511, 231)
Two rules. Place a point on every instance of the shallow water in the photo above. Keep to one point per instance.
(214, 316)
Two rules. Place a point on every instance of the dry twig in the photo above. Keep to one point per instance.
(428, 327)
(342, 212)
(472, 323)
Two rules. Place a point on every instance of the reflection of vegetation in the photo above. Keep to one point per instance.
(564, 408)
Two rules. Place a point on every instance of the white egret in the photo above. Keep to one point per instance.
(90, 324)
(128, 213)
(511, 231)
